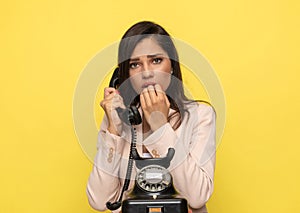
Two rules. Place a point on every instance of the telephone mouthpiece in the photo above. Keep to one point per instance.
(113, 206)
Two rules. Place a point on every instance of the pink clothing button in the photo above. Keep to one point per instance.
(154, 152)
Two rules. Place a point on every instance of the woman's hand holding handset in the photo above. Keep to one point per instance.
(111, 101)
(155, 106)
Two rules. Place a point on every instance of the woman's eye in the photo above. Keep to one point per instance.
(133, 65)
(157, 60)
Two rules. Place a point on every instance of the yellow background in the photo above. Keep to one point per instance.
(253, 46)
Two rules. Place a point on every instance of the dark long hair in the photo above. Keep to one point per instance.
(130, 39)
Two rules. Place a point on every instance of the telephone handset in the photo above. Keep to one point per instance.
(130, 115)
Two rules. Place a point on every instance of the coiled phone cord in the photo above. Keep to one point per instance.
(116, 205)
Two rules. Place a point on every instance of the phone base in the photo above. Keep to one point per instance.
(172, 205)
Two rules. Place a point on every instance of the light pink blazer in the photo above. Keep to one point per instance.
(192, 167)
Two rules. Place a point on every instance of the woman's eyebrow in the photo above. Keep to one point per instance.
(134, 59)
(148, 56)
(155, 55)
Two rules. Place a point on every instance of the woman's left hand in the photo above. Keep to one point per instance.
(155, 106)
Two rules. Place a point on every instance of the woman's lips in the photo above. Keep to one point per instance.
(145, 85)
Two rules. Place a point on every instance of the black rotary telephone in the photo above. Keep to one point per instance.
(153, 191)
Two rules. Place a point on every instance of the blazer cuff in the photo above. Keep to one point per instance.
(161, 140)
(109, 155)
(110, 141)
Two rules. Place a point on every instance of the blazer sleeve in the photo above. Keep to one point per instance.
(104, 183)
(192, 167)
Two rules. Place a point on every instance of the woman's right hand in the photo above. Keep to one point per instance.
(111, 101)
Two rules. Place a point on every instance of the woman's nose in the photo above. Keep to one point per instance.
(147, 72)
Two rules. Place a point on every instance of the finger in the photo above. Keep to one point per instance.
(158, 88)
(117, 101)
(108, 91)
(109, 96)
(167, 100)
(118, 105)
(112, 94)
(102, 103)
(146, 97)
(105, 105)
(160, 93)
(142, 101)
(117, 97)
(110, 101)
(152, 94)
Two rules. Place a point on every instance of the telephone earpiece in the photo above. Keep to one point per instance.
(130, 115)
(114, 81)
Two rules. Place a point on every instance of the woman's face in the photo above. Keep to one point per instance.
(149, 65)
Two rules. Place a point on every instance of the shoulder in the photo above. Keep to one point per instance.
(200, 111)
(199, 107)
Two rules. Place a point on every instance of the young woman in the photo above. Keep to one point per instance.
(150, 79)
